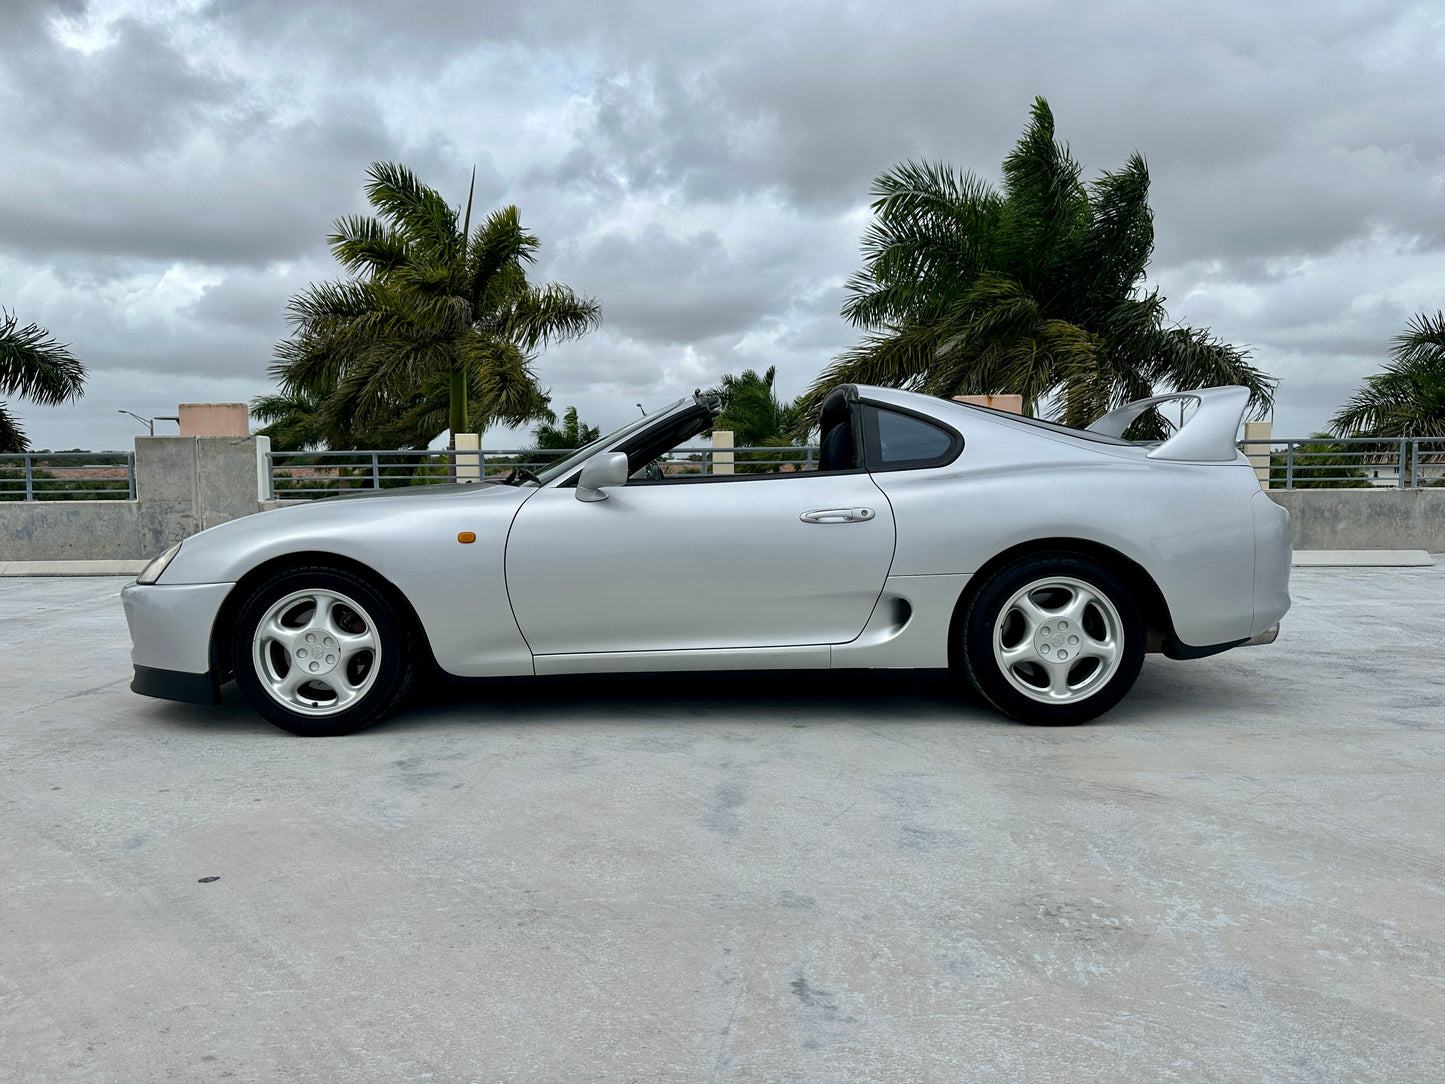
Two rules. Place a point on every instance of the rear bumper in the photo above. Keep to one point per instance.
(177, 685)
(1272, 552)
(1174, 648)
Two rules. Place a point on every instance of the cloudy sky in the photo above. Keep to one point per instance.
(169, 169)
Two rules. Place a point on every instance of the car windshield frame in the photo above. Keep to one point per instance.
(563, 467)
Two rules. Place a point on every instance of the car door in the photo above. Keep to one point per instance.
(765, 560)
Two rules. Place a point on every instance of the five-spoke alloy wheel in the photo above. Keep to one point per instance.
(319, 651)
(1055, 638)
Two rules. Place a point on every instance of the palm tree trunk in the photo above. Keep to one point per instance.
(459, 404)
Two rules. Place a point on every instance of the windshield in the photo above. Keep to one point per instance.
(577, 458)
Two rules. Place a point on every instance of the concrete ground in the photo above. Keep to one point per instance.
(1239, 874)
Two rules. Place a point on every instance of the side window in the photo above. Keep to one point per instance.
(898, 441)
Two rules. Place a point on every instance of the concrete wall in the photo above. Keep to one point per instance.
(183, 485)
(70, 531)
(1365, 519)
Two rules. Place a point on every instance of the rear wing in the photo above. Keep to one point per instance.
(1208, 436)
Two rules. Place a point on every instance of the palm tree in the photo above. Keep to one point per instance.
(757, 417)
(298, 419)
(33, 365)
(753, 411)
(569, 436)
(1407, 399)
(436, 328)
(1037, 290)
(293, 421)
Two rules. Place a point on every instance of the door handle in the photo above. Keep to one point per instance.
(838, 515)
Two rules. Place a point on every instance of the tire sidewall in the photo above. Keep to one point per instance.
(392, 667)
(982, 613)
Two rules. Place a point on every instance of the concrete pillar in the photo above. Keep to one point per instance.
(1014, 404)
(214, 419)
(264, 491)
(186, 484)
(469, 467)
(1258, 453)
(722, 461)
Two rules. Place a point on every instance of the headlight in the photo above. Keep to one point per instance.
(152, 571)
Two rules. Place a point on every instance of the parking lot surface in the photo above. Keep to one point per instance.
(1239, 874)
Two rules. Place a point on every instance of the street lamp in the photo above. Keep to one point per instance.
(150, 423)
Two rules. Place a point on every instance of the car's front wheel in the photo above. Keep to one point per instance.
(319, 651)
(1053, 639)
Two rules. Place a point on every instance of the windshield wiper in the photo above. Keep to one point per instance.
(518, 475)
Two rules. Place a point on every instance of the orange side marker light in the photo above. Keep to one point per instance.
(466, 536)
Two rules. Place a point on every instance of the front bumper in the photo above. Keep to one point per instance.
(175, 685)
(171, 632)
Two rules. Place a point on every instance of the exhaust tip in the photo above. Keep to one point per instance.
(1268, 636)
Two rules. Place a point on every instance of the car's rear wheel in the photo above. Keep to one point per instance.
(1054, 639)
(319, 652)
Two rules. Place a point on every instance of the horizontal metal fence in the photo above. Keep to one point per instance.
(1293, 464)
(1357, 462)
(1351, 462)
(67, 476)
(308, 475)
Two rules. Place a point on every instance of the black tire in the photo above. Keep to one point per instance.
(1015, 614)
(375, 679)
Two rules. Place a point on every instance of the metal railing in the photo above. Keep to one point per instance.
(1351, 462)
(759, 459)
(308, 475)
(67, 476)
(1357, 462)
(1303, 463)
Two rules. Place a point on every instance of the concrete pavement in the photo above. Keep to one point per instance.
(1239, 874)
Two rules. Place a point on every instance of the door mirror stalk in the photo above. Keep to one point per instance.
(602, 469)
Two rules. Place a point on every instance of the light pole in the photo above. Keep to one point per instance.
(150, 423)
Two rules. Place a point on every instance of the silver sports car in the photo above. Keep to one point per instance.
(1037, 561)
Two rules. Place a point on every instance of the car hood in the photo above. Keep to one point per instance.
(439, 490)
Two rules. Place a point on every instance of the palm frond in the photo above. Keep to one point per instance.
(1112, 255)
(416, 211)
(552, 313)
(897, 360)
(362, 244)
(1184, 358)
(500, 376)
(1407, 398)
(12, 434)
(497, 244)
(1046, 207)
(33, 365)
(933, 228)
(1423, 340)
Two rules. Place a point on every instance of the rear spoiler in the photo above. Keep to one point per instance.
(1208, 436)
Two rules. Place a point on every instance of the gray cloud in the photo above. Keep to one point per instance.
(134, 96)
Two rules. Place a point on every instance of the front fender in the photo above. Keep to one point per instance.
(458, 590)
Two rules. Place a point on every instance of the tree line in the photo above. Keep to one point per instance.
(1036, 288)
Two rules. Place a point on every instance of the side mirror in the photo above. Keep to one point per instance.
(603, 469)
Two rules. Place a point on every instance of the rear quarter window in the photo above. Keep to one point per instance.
(900, 440)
